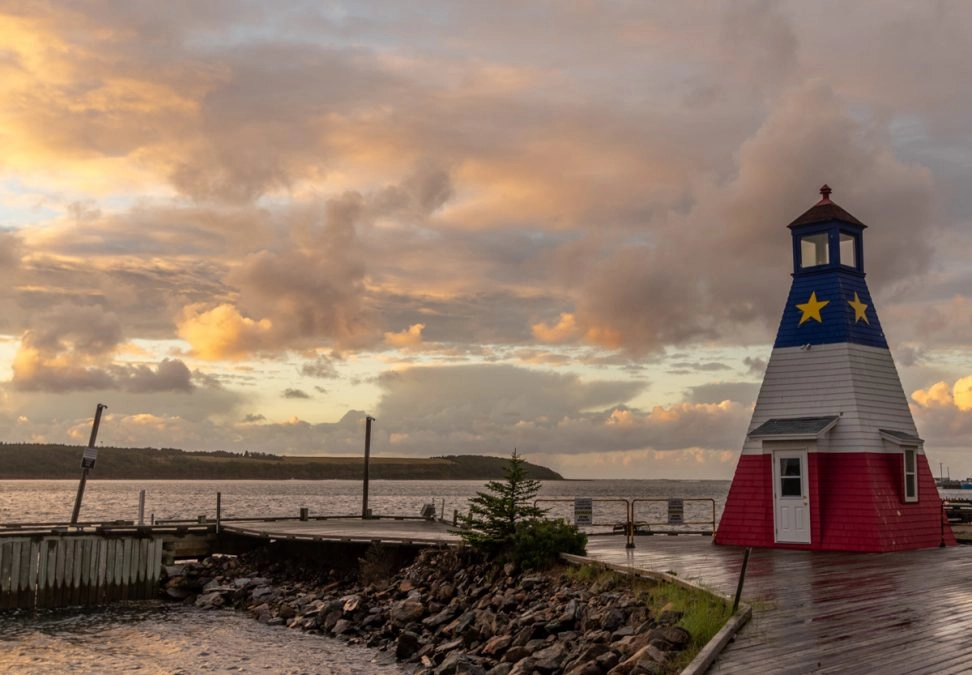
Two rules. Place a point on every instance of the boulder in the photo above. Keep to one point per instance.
(406, 611)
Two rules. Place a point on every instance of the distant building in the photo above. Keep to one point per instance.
(832, 459)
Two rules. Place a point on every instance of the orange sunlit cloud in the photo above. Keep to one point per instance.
(222, 332)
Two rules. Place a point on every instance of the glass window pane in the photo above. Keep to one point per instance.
(910, 490)
(848, 249)
(791, 487)
(910, 461)
(789, 466)
(814, 250)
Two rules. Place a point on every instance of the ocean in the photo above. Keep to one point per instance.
(161, 638)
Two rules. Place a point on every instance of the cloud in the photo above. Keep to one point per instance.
(410, 337)
(322, 367)
(275, 188)
(71, 348)
(169, 375)
(222, 332)
(490, 408)
(295, 393)
(755, 366)
(717, 392)
(564, 331)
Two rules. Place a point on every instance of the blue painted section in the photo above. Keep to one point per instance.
(838, 321)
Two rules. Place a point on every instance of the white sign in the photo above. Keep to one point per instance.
(676, 511)
(89, 458)
(583, 511)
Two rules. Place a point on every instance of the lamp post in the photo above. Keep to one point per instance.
(365, 513)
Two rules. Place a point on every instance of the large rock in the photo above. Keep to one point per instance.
(406, 611)
(406, 645)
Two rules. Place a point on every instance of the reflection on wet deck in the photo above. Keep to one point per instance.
(823, 612)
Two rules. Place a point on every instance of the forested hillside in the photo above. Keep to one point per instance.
(31, 460)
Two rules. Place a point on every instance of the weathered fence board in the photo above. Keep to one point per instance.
(63, 570)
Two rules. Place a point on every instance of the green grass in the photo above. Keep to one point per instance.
(703, 613)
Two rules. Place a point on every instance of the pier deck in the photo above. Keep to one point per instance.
(383, 530)
(820, 612)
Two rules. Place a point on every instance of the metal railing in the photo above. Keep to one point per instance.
(708, 523)
(673, 522)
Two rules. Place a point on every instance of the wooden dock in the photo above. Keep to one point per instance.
(403, 531)
(55, 565)
(822, 612)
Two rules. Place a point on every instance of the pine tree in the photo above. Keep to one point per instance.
(495, 513)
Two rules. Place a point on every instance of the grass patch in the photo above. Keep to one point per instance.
(701, 613)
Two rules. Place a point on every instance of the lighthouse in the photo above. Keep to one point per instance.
(832, 459)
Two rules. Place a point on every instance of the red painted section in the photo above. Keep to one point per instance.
(856, 504)
(747, 519)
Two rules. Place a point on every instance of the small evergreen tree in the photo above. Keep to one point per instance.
(495, 513)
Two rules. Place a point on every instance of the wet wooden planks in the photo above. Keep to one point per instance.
(66, 570)
(822, 612)
(385, 530)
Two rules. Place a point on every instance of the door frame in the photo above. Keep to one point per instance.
(793, 535)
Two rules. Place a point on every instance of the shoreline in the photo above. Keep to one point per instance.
(447, 611)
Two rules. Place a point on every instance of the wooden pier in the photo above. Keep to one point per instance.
(61, 570)
(827, 612)
(393, 531)
(54, 565)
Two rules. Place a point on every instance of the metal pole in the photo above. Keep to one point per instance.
(87, 463)
(630, 526)
(742, 578)
(941, 523)
(364, 499)
(219, 510)
(141, 507)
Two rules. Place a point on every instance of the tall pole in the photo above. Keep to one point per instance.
(87, 462)
(364, 499)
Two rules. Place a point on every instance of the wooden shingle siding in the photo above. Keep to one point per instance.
(837, 287)
(857, 381)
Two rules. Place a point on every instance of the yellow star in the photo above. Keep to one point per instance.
(859, 310)
(811, 308)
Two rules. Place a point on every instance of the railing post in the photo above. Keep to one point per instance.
(219, 509)
(631, 526)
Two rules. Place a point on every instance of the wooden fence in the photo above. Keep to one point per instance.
(77, 569)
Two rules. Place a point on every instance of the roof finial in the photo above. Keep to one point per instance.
(825, 193)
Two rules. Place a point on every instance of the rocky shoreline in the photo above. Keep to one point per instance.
(450, 611)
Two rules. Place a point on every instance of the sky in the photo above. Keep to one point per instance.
(553, 226)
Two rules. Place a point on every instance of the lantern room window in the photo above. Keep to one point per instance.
(814, 250)
(848, 250)
(910, 475)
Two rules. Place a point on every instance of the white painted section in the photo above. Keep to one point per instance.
(791, 498)
(857, 382)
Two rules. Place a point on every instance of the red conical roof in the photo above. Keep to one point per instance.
(825, 210)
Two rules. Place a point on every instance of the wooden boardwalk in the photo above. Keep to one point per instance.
(820, 612)
(383, 530)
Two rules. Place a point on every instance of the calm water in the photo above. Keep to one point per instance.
(153, 638)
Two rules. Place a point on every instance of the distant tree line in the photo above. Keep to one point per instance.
(37, 460)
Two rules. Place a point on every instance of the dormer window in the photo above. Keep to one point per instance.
(814, 250)
(848, 250)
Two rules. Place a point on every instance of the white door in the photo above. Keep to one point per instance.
(790, 496)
